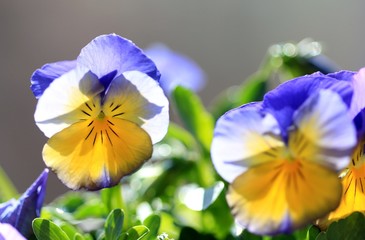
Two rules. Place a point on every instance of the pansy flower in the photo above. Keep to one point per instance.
(353, 177)
(20, 213)
(279, 153)
(176, 69)
(101, 112)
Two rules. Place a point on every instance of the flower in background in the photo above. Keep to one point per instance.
(176, 69)
(353, 177)
(101, 112)
(8, 232)
(20, 213)
(279, 153)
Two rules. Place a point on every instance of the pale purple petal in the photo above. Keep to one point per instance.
(176, 69)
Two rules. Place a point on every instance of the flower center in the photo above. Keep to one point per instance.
(101, 115)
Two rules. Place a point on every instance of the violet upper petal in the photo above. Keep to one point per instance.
(108, 56)
(289, 96)
(43, 76)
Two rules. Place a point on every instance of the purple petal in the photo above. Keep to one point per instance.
(20, 213)
(176, 69)
(342, 75)
(43, 76)
(358, 100)
(289, 96)
(108, 56)
(8, 232)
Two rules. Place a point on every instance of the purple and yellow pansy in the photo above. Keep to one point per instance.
(282, 156)
(102, 112)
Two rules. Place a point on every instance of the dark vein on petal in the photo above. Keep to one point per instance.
(119, 114)
(348, 186)
(86, 113)
(107, 134)
(89, 133)
(116, 107)
(113, 131)
(87, 105)
(96, 134)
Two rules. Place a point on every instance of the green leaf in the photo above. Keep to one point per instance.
(194, 115)
(112, 197)
(321, 236)
(78, 236)
(70, 201)
(197, 198)
(252, 89)
(114, 224)
(7, 189)
(46, 230)
(69, 229)
(93, 208)
(137, 232)
(177, 132)
(352, 227)
(153, 223)
(312, 233)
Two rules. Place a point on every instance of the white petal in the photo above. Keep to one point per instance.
(59, 106)
(244, 138)
(327, 129)
(142, 102)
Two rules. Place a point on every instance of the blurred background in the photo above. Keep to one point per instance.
(228, 39)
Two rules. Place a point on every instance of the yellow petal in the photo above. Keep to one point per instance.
(97, 153)
(283, 195)
(353, 193)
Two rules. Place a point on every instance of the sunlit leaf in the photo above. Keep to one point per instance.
(177, 132)
(137, 232)
(70, 201)
(69, 229)
(197, 198)
(152, 222)
(178, 170)
(92, 208)
(312, 233)
(112, 197)
(194, 115)
(46, 230)
(114, 224)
